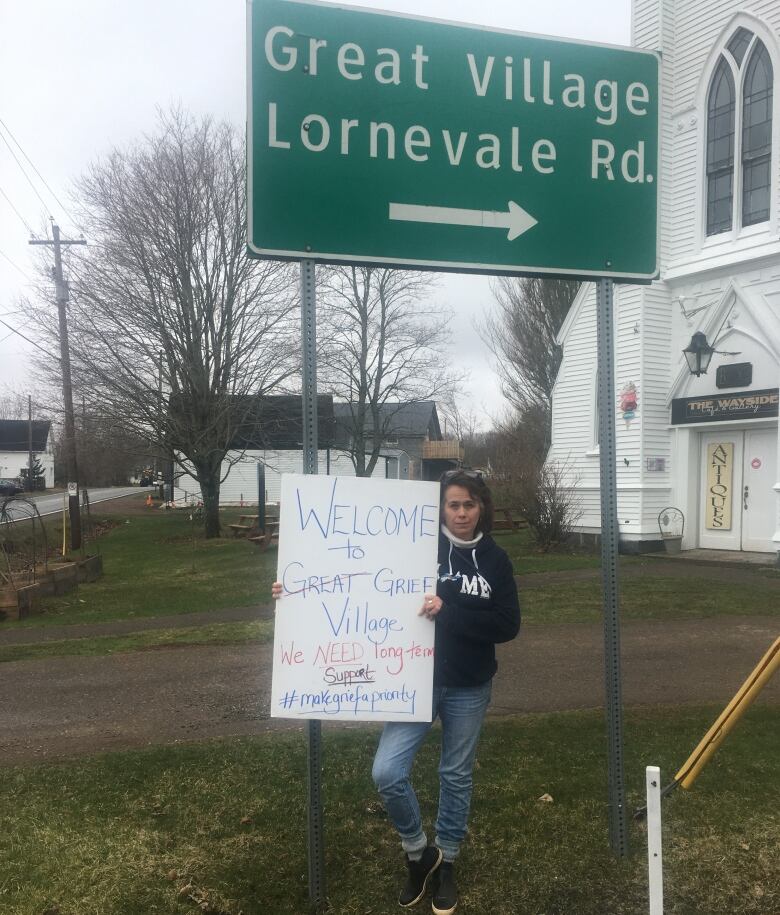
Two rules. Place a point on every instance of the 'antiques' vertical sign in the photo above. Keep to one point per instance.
(720, 470)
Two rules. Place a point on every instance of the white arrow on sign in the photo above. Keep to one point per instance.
(516, 219)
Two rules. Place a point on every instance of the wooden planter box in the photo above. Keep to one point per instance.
(61, 578)
(18, 603)
(90, 569)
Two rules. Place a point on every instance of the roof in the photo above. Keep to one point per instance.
(399, 420)
(15, 434)
(277, 423)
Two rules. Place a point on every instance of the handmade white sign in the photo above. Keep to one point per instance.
(356, 556)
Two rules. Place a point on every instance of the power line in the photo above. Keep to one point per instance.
(29, 180)
(24, 221)
(13, 264)
(32, 342)
(32, 165)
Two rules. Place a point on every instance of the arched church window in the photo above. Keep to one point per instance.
(740, 42)
(756, 136)
(739, 135)
(720, 150)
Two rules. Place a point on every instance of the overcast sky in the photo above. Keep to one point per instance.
(81, 77)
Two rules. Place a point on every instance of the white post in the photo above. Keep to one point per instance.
(654, 855)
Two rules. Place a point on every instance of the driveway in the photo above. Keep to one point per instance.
(69, 706)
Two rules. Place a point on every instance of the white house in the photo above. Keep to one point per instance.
(269, 437)
(708, 443)
(15, 447)
(240, 473)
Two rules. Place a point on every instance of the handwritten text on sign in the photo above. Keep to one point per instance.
(355, 557)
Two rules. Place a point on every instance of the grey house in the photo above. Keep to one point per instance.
(410, 432)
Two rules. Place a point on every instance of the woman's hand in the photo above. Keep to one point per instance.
(431, 606)
(277, 589)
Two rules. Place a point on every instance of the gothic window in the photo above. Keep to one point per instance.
(739, 135)
(740, 42)
(756, 137)
(720, 150)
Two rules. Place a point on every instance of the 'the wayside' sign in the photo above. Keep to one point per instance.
(388, 139)
(355, 558)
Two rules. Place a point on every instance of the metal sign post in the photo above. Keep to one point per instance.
(261, 497)
(309, 344)
(618, 821)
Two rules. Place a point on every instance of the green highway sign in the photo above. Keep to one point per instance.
(386, 139)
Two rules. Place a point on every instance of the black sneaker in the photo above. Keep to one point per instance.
(419, 874)
(445, 893)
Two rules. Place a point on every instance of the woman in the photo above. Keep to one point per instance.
(475, 607)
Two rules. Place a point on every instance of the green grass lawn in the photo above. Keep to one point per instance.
(256, 631)
(154, 566)
(527, 558)
(652, 598)
(160, 565)
(220, 827)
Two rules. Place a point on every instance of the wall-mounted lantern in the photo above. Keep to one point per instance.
(698, 354)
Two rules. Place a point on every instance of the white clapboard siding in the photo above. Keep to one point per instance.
(688, 34)
(12, 463)
(650, 329)
(239, 484)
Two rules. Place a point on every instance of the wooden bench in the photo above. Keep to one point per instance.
(247, 526)
(508, 520)
(266, 538)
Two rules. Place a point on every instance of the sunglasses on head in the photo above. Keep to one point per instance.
(451, 474)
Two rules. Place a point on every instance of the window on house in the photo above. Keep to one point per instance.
(756, 137)
(740, 42)
(720, 150)
(739, 130)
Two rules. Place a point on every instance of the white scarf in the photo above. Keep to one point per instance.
(457, 541)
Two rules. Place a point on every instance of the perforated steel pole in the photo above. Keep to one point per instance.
(309, 343)
(618, 820)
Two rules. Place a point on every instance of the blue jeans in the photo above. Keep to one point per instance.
(461, 711)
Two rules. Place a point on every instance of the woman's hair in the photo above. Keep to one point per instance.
(472, 481)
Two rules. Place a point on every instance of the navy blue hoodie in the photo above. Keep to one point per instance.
(481, 608)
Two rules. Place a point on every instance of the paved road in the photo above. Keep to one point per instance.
(51, 503)
(68, 706)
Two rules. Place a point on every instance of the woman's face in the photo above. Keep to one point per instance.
(461, 512)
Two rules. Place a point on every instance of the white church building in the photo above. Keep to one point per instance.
(703, 441)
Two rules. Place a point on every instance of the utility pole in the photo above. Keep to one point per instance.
(29, 444)
(71, 463)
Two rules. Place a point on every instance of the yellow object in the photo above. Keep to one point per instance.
(760, 676)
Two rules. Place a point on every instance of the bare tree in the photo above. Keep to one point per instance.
(458, 423)
(541, 490)
(521, 335)
(175, 332)
(383, 348)
(13, 405)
